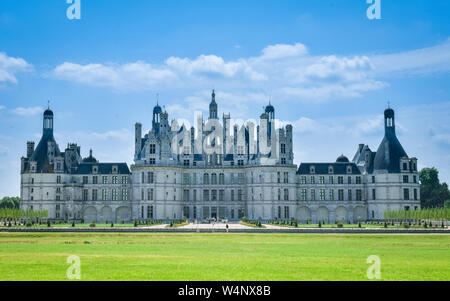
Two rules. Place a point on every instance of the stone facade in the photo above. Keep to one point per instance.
(219, 171)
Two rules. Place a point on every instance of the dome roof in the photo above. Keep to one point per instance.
(342, 159)
(48, 112)
(90, 159)
(270, 109)
(157, 109)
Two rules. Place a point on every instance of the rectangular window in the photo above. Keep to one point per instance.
(303, 194)
(214, 195)
(115, 195)
(150, 194)
(194, 195)
(358, 195)
(286, 212)
(152, 161)
(221, 179)
(358, 180)
(125, 194)
(313, 180)
(415, 179)
(240, 195)
(150, 177)
(279, 211)
(349, 180)
(373, 179)
(340, 180)
(94, 194)
(286, 194)
(374, 194)
(415, 194)
(406, 194)
(331, 195)
(283, 148)
(240, 162)
(405, 179)
(85, 194)
(283, 161)
(331, 179)
(322, 194)
(222, 195)
(124, 180)
(104, 195)
(303, 180)
(205, 195)
(186, 195)
(313, 195)
(286, 177)
(341, 194)
(278, 177)
(85, 179)
(105, 180)
(186, 179)
(241, 178)
(142, 194)
(150, 212)
(350, 197)
(114, 180)
(58, 180)
(94, 180)
(321, 180)
(152, 149)
(186, 162)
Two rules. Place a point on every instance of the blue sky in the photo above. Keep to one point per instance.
(328, 69)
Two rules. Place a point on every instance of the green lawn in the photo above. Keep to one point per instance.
(146, 256)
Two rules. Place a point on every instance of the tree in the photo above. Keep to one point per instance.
(10, 202)
(432, 193)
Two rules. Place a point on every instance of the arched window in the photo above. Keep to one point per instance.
(214, 179)
(221, 179)
(205, 178)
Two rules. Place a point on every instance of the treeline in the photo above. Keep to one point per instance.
(10, 202)
(10, 210)
(433, 194)
(430, 214)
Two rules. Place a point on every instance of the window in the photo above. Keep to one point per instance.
(283, 148)
(405, 179)
(104, 195)
(405, 166)
(214, 179)
(302, 180)
(142, 178)
(349, 169)
(221, 179)
(58, 180)
(374, 194)
(286, 194)
(241, 178)
(415, 179)
(150, 212)
(331, 195)
(303, 194)
(85, 179)
(240, 162)
(312, 169)
(194, 195)
(286, 177)
(114, 180)
(213, 195)
(186, 212)
(205, 195)
(341, 194)
(221, 195)
(358, 195)
(286, 212)
(331, 180)
(205, 178)
(150, 177)
(240, 195)
(185, 162)
(85, 194)
(406, 194)
(142, 194)
(350, 197)
(358, 180)
(105, 180)
(313, 180)
(340, 180)
(349, 180)
(94, 180)
(57, 213)
(330, 169)
(322, 194)
(150, 194)
(373, 179)
(232, 195)
(283, 161)
(279, 194)
(152, 149)
(124, 194)
(278, 177)
(279, 211)
(186, 179)
(152, 161)
(186, 195)
(58, 190)
(114, 195)
(321, 180)
(415, 194)
(124, 180)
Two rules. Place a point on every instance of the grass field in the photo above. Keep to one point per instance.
(117, 256)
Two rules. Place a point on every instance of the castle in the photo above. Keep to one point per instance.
(217, 170)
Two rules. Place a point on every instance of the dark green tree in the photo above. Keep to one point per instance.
(432, 193)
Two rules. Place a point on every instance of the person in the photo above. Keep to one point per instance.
(227, 227)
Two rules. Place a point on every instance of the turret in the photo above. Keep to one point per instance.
(213, 106)
(138, 139)
(30, 148)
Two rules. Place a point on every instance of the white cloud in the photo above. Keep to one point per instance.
(288, 70)
(30, 111)
(10, 66)
(2, 108)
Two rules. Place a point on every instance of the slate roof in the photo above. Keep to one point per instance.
(322, 168)
(40, 153)
(103, 168)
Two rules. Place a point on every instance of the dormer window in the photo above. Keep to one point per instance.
(330, 169)
(312, 169)
(114, 169)
(94, 169)
(349, 169)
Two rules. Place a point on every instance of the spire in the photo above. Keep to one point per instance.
(213, 106)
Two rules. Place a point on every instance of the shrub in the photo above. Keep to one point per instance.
(320, 224)
(112, 225)
(385, 225)
(405, 225)
(359, 224)
(9, 224)
(73, 223)
(92, 225)
(29, 224)
(135, 223)
(48, 224)
(340, 225)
